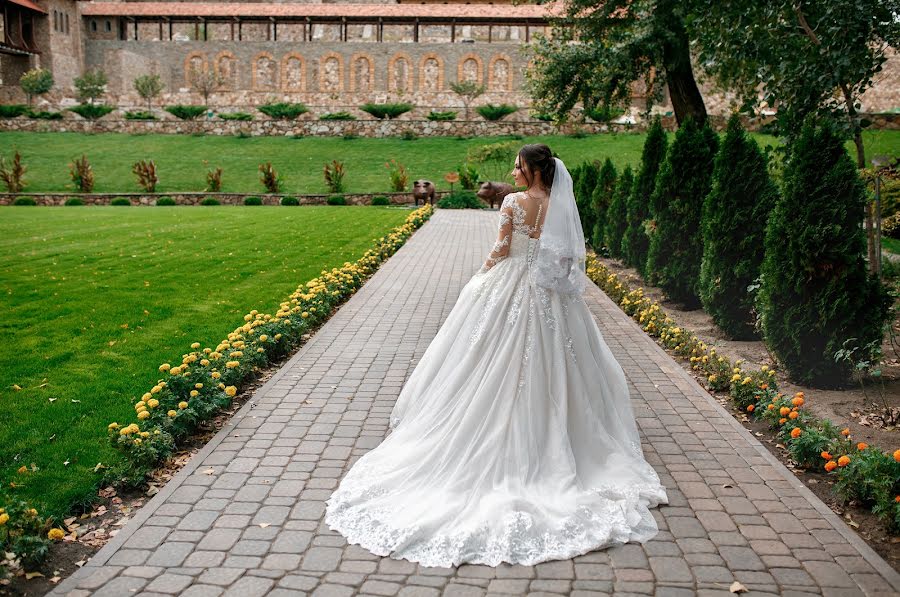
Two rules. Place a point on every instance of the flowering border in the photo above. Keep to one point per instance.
(862, 473)
(204, 383)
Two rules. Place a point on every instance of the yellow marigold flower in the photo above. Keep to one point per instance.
(182, 405)
(4, 518)
(712, 378)
(22, 469)
(204, 362)
(215, 375)
(304, 315)
(207, 350)
(313, 309)
(175, 370)
(248, 317)
(221, 386)
(198, 386)
(263, 338)
(31, 512)
(277, 337)
(143, 415)
(137, 440)
(155, 389)
(140, 406)
(764, 368)
(153, 403)
(145, 434)
(232, 364)
(194, 393)
(735, 377)
(164, 367)
(215, 356)
(195, 345)
(231, 390)
(113, 426)
(55, 534)
(236, 354)
(746, 381)
(172, 413)
(146, 396)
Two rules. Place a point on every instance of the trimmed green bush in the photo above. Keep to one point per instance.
(186, 112)
(24, 201)
(542, 117)
(442, 116)
(584, 185)
(13, 110)
(601, 199)
(166, 201)
(493, 112)
(677, 205)
(210, 201)
(734, 229)
(389, 111)
(461, 200)
(337, 116)
(252, 201)
(614, 229)
(283, 110)
(636, 243)
(90, 111)
(120, 201)
(74, 201)
(44, 115)
(380, 200)
(336, 200)
(816, 292)
(243, 116)
(139, 115)
(290, 201)
(603, 114)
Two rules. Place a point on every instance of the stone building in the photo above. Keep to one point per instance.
(330, 56)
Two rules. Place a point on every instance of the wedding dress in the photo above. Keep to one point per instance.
(513, 440)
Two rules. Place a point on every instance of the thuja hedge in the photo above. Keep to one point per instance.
(636, 243)
(861, 472)
(616, 218)
(204, 383)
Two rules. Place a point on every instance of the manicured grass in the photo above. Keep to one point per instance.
(890, 244)
(182, 160)
(94, 299)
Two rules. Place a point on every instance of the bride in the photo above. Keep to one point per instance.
(513, 439)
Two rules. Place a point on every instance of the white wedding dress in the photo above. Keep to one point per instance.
(513, 440)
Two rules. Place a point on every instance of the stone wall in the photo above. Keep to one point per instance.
(59, 199)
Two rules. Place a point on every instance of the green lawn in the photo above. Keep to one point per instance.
(94, 299)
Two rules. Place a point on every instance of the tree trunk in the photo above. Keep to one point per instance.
(683, 91)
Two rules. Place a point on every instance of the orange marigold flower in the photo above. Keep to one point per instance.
(751, 408)
(772, 407)
(798, 401)
(799, 395)
(826, 456)
(763, 386)
(844, 460)
(782, 421)
(784, 411)
(794, 414)
(830, 465)
(845, 431)
(795, 432)
(897, 455)
(862, 446)
(897, 499)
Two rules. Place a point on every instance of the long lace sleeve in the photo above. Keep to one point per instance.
(504, 235)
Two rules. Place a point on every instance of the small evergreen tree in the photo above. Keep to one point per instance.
(816, 293)
(584, 191)
(614, 231)
(734, 224)
(677, 204)
(601, 199)
(636, 243)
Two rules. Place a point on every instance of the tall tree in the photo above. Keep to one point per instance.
(635, 243)
(617, 43)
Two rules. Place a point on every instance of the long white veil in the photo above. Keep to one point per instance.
(559, 264)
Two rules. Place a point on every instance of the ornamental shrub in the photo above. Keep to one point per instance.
(635, 242)
(337, 116)
(389, 111)
(492, 112)
(380, 200)
(44, 115)
(461, 200)
(336, 200)
(677, 204)
(243, 116)
(601, 199)
(74, 201)
(208, 201)
(121, 201)
(614, 230)
(90, 111)
(588, 173)
(139, 115)
(734, 225)
(441, 116)
(283, 110)
(816, 292)
(25, 201)
(166, 201)
(186, 112)
(252, 201)
(290, 201)
(12, 110)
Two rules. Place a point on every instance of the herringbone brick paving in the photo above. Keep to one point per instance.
(254, 525)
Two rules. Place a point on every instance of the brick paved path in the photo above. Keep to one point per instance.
(254, 525)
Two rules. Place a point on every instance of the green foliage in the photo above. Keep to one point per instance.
(542, 117)
(24, 533)
(168, 201)
(139, 115)
(389, 111)
(186, 112)
(636, 243)
(12, 110)
(492, 112)
(252, 201)
(74, 201)
(601, 199)
(734, 219)
(91, 111)
(871, 477)
(337, 116)
(337, 200)
(398, 175)
(588, 175)
(120, 201)
(677, 205)
(27, 201)
(148, 87)
(44, 115)
(283, 110)
(82, 174)
(461, 200)
(808, 447)
(380, 200)
(468, 176)
(495, 159)
(211, 201)
(91, 85)
(290, 201)
(604, 114)
(242, 116)
(334, 176)
(616, 215)
(36, 81)
(409, 135)
(468, 91)
(442, 116)
(816, 292)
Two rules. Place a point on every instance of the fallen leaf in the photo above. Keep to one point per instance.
(55, 579)
(30, 575)
(66, 463)
(263, 525)
(737, 587)
(728, 486)
(52, 399)
(97, 468)
(73, 400)
(17, 387)
(81, 563)
(209, 471)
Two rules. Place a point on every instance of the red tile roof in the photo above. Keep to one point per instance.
(266, 9)
(29, 4)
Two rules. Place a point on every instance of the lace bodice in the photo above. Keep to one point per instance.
(521, 222)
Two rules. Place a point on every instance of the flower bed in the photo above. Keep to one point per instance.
(203, 384)
(862, 472)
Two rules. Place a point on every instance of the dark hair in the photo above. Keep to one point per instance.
(537, 157)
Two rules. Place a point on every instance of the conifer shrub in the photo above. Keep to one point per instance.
(166, 202)
(734, 225)
(677, 204)
(635, 242)
(290, 201)
(601, 199)
(614, 230)
(816, 297)
(252, 201)
(588, 174)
